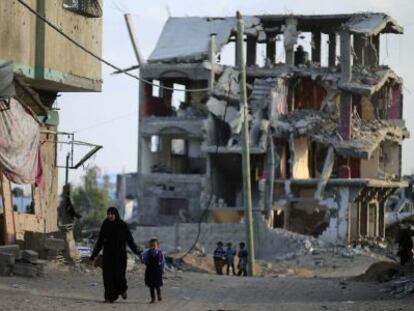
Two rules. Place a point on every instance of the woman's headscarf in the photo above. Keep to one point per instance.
(113, 210)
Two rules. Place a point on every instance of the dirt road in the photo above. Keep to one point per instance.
(75, 290)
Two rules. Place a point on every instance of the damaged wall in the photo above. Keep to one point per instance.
(339, 208)
(35, 47)
(169, 198)
(369, 167)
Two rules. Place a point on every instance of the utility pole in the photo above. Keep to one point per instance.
(247, 194)
(134, 41)
(67, 168)
(141, 62)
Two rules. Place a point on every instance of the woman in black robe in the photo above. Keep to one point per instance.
(113, 237)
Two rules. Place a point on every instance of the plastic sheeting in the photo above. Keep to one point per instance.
(19, 144)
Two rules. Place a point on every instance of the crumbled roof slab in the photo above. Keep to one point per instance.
(186, 39)
(323, 128)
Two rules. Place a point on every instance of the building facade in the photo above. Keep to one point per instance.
(325, 124)
(43, 64)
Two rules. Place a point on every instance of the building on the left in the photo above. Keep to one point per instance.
(36, 64)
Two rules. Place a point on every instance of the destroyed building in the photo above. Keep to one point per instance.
(325, 124)
(37, 64)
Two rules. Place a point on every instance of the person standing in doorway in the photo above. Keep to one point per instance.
(154, 262)
(219, 258)
(243, 258)
(113, 238)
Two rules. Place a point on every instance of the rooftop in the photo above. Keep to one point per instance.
(186, 39)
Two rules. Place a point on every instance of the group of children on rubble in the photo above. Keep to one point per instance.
(225, 257)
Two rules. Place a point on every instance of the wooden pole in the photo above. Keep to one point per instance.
(247, 194)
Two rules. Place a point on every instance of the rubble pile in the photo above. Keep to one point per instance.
(20, 262)
(402, 286)
(53, 250)
(49, 246)
(323, 128)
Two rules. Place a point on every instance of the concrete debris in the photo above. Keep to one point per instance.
(372, 24)
(227, 86)
(10, 249)
(232, 115)
(186, 39)
(54, 244)
(402, 287)
(7, 259)
(22, 263)
(323, 128)
(30, 256)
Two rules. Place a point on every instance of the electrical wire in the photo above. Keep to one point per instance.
(123, 116)
(109, 64)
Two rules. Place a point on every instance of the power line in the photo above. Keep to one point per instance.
(123, 116)
(53, 26)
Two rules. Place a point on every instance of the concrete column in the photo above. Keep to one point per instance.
(286, 217)
(290, 36)
(346, 69)
(349, 235)
(358, 221)
(363, 220)
(316, 47)
(251, 51)
(371, 58)
(332, 50)
(382, 220)
(212, 60)
(346, 76)
(271, 50)
(377, 220)
(345, 113)
(359, 49)
(368, 220)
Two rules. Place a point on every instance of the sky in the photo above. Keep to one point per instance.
(110, 118)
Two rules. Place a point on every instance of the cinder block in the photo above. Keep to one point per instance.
(5, 270)
(54, 244)
(40, 264)
(7, 259)
(29, 255)
(10, 249)
(25, 269)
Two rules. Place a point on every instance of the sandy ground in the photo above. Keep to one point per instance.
(69, 289)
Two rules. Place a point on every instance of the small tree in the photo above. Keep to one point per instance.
(91, 200)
